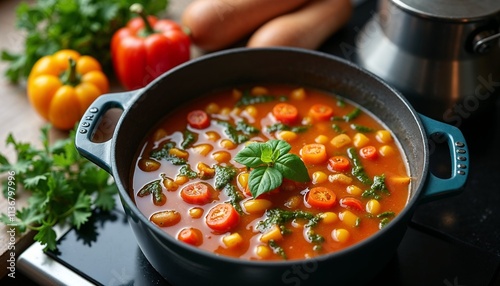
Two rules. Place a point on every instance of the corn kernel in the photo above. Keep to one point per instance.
(195, 212)
(319, 177)
(274, 233)
(321, 139)
(340, 178)
(232, 240)
(178, 153)
(251, 111)
(170, 184)
(259, 90)
(205, 171)
(263, 251)
(212, 136)
(237, 94)
(373, 206)
(227, 144)
(405, 181)
(340, 235)
(349, 218)
(386, 150)
(225, 111)
(293, 202)
(203, 149)
(181, 179)
(243, 179)
(329, 217)
(236, 111)
(212, 108)
(159, 134)
(254, 206)
(383, 136)
(360, 140)
(286, 135)
(354, 190)
(298, 94)
(221, 156)
(340, 140)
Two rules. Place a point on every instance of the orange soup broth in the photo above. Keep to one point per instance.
(294, 244)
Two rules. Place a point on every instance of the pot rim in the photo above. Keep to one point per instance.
(412, 201)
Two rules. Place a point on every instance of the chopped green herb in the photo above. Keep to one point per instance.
(385, 218)
(163, 153)
(224, 176)
(235, 197)
(352, 115)
(377, 188)
(361, 128)
(283, 127)
(337, 128)
(358, 171)
(248, 99)
(189, 139)
(186, 170)
(152, 188)
(236, 133)
(246, 128)
(277, 249)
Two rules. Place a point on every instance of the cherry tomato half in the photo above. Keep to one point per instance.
(339, 163)
(198, 119)
(196, 193)
(191, 236)
(314, 153)
(222, 217)
(285, 113)
(321, 112)
(321, 198)
(368, 152)
(351, 203)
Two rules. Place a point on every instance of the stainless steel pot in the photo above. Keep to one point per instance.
(182, 264)
(444, 56)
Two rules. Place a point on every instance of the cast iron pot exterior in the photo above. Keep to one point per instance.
(144, 109)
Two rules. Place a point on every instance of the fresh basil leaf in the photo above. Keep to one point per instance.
(283, 146)
(292, 167)
(250, 156)
(266, 153)
(263, 180)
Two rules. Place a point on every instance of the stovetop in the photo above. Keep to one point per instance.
(451, 241)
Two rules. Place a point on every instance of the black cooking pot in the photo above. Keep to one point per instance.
(144, 109)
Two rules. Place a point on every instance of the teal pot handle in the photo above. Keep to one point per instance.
(100, 152)
(459, 154)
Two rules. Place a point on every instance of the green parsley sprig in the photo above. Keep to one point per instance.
(270, 163)
(64, 187)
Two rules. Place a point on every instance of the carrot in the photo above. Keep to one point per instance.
(339, 163)
(216, 24)
(368, 152)
(321, 198)
(198, 119)
(196, 193)
(321, 112)
(307, 27)
(285, 113)
(191, 236)
(222, 217)
(314, 153)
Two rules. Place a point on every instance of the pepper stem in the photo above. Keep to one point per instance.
(139, 10)
(70, 76)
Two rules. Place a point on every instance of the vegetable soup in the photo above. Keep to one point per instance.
(270, 173)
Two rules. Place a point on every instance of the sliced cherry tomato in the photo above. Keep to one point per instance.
(222, 217)
(321, 197)
(321, 112)
(285, 113)
(196, 193)
(314, 153)
(351, 203)
(368, 152)
(191, 236)
(339, 163)
(198, 119)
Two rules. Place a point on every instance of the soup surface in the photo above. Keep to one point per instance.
(270, 172)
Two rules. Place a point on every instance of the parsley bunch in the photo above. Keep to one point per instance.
(271, 162)
(86, 26)
(64, 186)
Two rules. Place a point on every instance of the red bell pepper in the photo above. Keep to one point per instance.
(146, 48)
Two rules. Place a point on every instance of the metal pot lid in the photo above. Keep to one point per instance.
(461, 10)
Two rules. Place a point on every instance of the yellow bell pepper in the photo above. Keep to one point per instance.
(62, 86)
